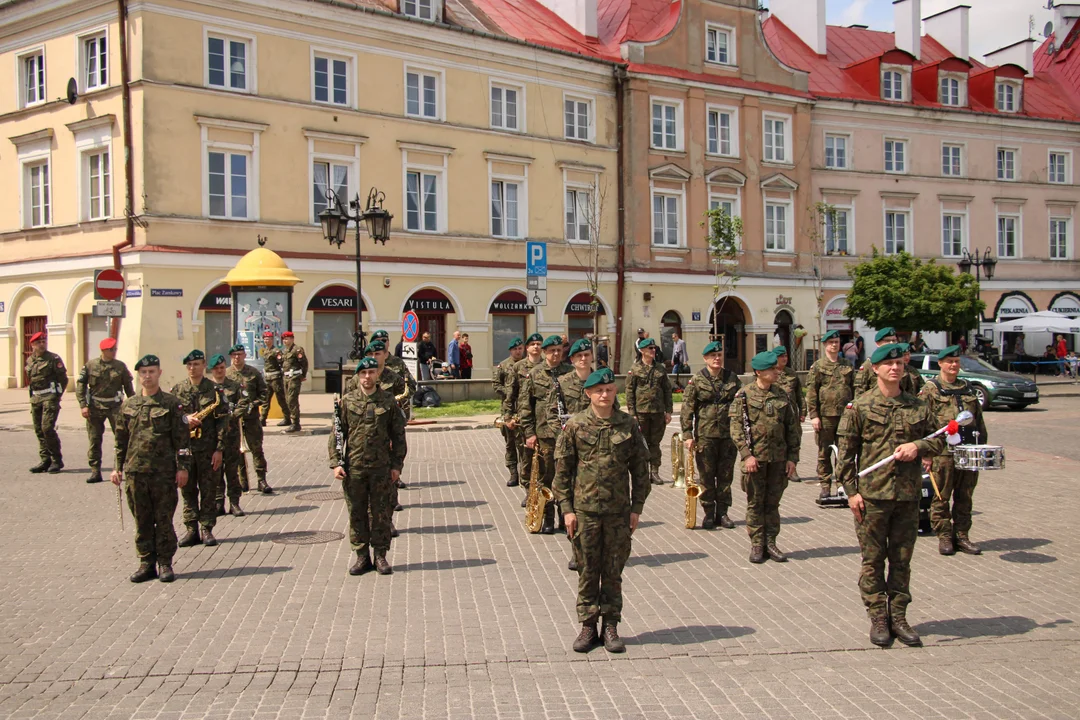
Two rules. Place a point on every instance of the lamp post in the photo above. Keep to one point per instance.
(983, 262)
(335, 221)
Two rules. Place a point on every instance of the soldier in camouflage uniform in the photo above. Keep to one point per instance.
(947, 396)
(829, 388)
(912, 382)
(648, 398)
(865, 378)
(572, 387)
(257, 393)
(152, 456)
(502, 382)
(601, 485)
(789, 382)
(886, 422)
(374, 430)
(294, 366)
(521, 369)
(539, 410)
(400, 367)
(227, 476)
(706, 429)
(196, 394)
(101, 388)
(47, 380)
(275, 380)
(766, 430)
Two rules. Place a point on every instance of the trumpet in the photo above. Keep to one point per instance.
(683, 468)
(538, 498)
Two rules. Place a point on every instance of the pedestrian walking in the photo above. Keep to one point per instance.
(47, 380)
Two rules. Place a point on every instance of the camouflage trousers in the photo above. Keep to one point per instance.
(511, 454)
(95, 431)
(546, 448)
(367, 498)
(277, 390)
(653, 427)
(200, 493)
(525, 458)
(826, 437)
(292, 398)
(254, 433)
(227, 477)
(151, 497)
(887, 532)
(764, 489)
(715, 460)
(43, 415)
(604, 546)
(957, 486)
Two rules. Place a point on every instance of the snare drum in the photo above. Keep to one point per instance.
(979, 457)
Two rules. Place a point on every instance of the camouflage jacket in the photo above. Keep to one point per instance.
(47, 377)
(273, 359)
(374, 430)
(865, 378)
(388, 380)
(255, 390)
(103, 385)
(912, 382)
(196, 398)
(502, 382)
(521, 369)
(775, 433)
(830, 386)
(648, 389)
(871, 430)
(294, 362)
(791, 384)
(538, 406)
(601, 466)
(151, 436)
(236, 404)
(706, 404)
(401, 368)
(947, 400)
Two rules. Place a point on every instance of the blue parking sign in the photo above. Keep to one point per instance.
(536, 259)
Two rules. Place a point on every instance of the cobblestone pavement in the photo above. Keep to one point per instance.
(478, 618)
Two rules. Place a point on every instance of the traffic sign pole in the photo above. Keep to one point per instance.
(410, 330)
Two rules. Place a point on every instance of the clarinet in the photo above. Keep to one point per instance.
(746, 426)
(339, 435)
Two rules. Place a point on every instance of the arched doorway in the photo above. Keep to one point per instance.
(216, 307)
(333, 311)
(510, 313)
(432, 307)
(580, 315)
(670, 325)
(784, 322)
(728, 320)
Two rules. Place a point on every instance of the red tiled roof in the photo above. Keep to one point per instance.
(1063, 66)
(716, 79)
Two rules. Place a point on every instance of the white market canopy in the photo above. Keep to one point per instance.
(1045, 321)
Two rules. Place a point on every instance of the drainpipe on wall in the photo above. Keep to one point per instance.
(620, 101)
(129, 167)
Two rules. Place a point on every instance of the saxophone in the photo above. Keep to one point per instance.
(538, 498)
(693, 489)
(197, 432)
(678, 460)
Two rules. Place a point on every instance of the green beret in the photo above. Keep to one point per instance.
(380, 335)
(904, 347)
(535, 337)
(647, 342)
(238, 347)
(951, 351)
(713, 347)
(215, 360)
(779, 350)
(375, 346)
(831, 335)
(603, 376)
(884, 333)
(516, 342)
(552, 341)
(148, 361)
(892, 351)
(367, 364)
(581, 345)
(763, 360)
(194, 355)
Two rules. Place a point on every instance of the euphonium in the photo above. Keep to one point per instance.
(678, 460)
(693, 489)
(539, 497)
(197, 432)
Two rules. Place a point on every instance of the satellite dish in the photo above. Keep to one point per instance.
(1048, 29)
(72, 91)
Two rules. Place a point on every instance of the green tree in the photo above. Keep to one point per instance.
(908, 294)
(724, 240)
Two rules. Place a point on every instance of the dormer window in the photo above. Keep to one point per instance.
(719, 45)
(1008, 96)
(953, 90)
(422, 9)
(893, 83)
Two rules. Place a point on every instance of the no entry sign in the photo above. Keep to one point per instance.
(108, 285)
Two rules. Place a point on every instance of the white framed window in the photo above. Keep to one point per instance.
(579, 212)
(895, 156)
(98, 169)
(776, 132)
(1008, 96)
(37, 194)
(838, 232)
(230, 62)
(328, 177)
(422, 201)
(228, 179)
(1060, 236)
(722, 126)
(896, 232)
(894, 81)
(952, 89)
(506, 200)
(578, 118)
(667, 218)
(230, 169)
(423, 93)
(94, 61)
(1006, 163)
(667, 122)
(332, 78)
(952, 160)
(507, 107)
(422, 9)
(778, 226)
(952, 234)
(731, 204)
(1008, 236)
(1058, 167)
(31, 77)
(719, 44)
(836, 151)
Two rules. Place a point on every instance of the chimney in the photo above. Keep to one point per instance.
(579, 14)
(1065, 16)
(907, 23)
(950, 28)
(806, 18)
(1020, 53)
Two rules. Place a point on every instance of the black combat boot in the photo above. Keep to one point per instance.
(525, 501)
(165, 572)
(709, 521)
(400, 485)
(362, 564)
(725, 522)
(904, 632)
(381, 565)
(221, 508)
(612, 642)
(572, 566)
(548, 526)
(587, 638)
(264, 488)
(945, 545)
(234, 509)
(41, 466)
(190, 538)
(208, 538)
(262, 423)
(145, 572)
(774, 552)
(95, 476)
(285, 423)
(399, 507)
(654, 477)
(514, 481)
(879, 631)
(293, 429)
(393, 530)
(56, 466)
(244, 486)
(826, 491)
(757, 554)
(964, 544)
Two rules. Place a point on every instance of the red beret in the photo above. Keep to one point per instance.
(268, 333)
(108, 344)
(37, 336)
(287, 333)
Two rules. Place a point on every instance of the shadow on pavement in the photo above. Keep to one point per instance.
(443, 504)
(1011, 544)
(665, 558)
(689, 635)
(288, 510)
(433, 483)
(300, 488)
(1027, 558)
(232, 572)
(823, 552)
(967, 628)
(261, 537)
(445, 564)
(446, 529)
(648, 523)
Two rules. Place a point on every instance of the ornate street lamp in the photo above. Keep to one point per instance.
(983, 263)
(335, 221)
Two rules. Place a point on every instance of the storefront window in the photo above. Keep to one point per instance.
(505, 328)
(578, 325)
(333, 338)
(218, 326)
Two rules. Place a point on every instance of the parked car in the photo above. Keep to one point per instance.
(993, 387)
